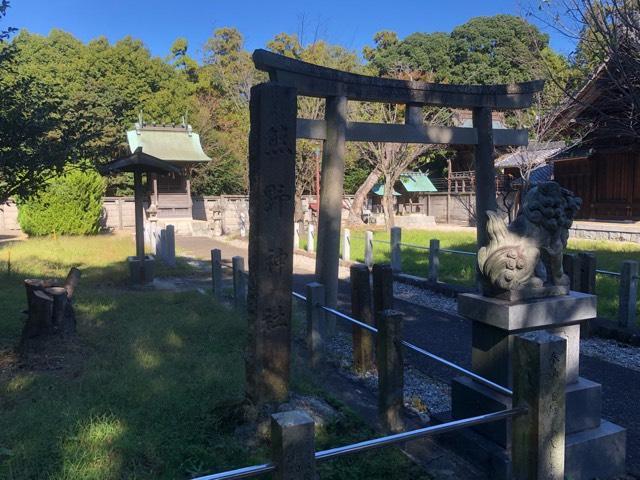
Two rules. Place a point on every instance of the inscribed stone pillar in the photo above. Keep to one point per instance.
(485, 171)
(331, 190)
(272, 151)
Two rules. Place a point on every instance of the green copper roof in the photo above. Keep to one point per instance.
(172, 144)
(411, 181)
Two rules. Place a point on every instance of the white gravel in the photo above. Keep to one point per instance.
(611, 351)
(425, 298)
(608, 350)
(423, 394)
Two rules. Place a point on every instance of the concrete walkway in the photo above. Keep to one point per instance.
(449, 335)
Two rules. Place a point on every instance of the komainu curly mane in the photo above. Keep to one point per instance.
(528, 253)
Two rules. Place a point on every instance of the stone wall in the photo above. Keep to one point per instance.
(9, 216)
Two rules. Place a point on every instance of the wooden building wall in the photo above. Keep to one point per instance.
(607, 182)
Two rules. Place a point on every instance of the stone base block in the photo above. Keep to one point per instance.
(591, 454)
(596, 453)
(141, 275)
(469, 398)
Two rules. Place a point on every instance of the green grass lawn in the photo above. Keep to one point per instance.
(143, 390)
(460, 269)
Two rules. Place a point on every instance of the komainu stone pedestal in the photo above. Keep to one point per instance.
(594, 448)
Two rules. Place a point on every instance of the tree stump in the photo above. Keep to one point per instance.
(50, 309)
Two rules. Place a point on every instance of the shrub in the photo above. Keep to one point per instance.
(70, 204)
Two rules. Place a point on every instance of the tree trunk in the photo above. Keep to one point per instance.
(387, 203)
(355, 212)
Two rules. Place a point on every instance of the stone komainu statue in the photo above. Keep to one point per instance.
(526, 256)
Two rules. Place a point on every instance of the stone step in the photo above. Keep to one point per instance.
(596, 453)
(469, 398)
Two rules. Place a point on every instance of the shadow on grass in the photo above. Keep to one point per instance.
(133, 395)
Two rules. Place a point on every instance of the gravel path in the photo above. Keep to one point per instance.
(423, 394)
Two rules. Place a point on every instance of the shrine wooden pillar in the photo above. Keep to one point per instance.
(485, 172)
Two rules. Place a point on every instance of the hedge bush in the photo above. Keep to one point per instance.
(70, 204)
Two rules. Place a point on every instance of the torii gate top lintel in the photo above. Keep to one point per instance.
(317, 81)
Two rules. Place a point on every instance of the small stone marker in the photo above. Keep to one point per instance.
(368, 248)
(382, 287)
(239, 282)
(361, 309)
(296, 235)
(539, 385)
(628, 293)
(346, 244)
(434, 259)
(587, 272)
(170, 255)
(310, 238)
(571, 267)
(216, 273)
(293, 446)
(390, 363)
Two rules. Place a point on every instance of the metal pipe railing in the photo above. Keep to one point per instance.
(459, 252)
(422, 351)
(299, 296)
(375, 443)
(419, 433)
(608, 272)
(412, 245)
(240, 472)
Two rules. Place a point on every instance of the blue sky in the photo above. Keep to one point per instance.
(158, 22)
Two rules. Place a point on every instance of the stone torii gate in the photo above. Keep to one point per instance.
(272, 151)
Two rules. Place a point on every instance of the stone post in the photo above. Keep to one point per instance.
(346, 244)
(382, 288)
(368, 248)
(361, 309)
(628, 293)
(396, 257)
(539, 386)
(316, 323)
(587, 272)
(170, 244)
(331, 191)
(485, 171)
(310, 238)
(571, 267)
(216, 273)
(161, 247)
(293, 446)
(272, 153)
(296, 235)
(239, 283)
(389, 359)
(434, 260)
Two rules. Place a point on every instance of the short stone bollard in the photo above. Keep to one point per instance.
(170, 251)
(587, 272)
(434, 260)
(628, 293)
(239, 282)
(216, 273)
(382, 288)
(396, 256)
(368, 248)
(361, 309)
(293, 446)
(571, 267)
(346, 244)
(389, 360)
(161, 244)
(316, 323)
(310, 238)
(538, 436)
(296, 235)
